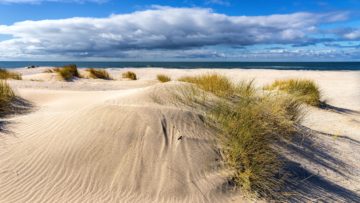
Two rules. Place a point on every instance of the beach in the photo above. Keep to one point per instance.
(93, 140)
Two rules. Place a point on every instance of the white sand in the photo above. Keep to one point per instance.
(110, 141)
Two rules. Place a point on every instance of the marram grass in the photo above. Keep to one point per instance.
(5, 74)
(163, 78)
(98, 74)
(130, 75)
(214, 83)
(250, 123)
(306, 91)
(6, 97)
(68, 72)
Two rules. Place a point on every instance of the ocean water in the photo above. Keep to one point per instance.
(245, 65)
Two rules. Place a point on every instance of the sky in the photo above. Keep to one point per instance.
(180, 30)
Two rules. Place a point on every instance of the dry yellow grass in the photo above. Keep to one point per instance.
(99, 73)
(250, 123)
(130, 75)
(306, 91)
(214, 83)
(67, 72)
(163, 78)
(5, 74)
(6, 97)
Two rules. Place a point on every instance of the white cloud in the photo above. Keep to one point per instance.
(353, 35)
(41, 1)
(160, 28)
(219, 2)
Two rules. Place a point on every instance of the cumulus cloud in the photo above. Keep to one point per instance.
(159, 28)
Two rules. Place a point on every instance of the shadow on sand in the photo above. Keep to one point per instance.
(340, 110)
(18, 106)
(304, 185)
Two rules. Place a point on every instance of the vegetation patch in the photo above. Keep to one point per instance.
(130, 75)
(5, 74)
(6, 97)
(98, 74)
(250, 123)
(214, 83)
(163, 78)
(306, 91)
(68, 72)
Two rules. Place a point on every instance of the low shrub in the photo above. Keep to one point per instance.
(98, 73)
(6, 97)
(163, 78)
(5, 74)
(306, 91)
(130, 75)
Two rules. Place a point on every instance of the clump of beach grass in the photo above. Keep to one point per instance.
(98, 74)
(130, 75)
(250, 122)
(163, 78)
(5, 74)
(214, 83)
(6, 97)
(306, 91)
(68, 72)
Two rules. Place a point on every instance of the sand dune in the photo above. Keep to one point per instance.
(124, 141)
(111, 149)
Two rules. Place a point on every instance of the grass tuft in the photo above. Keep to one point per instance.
(163, 78)
(250, 123)
(306, 91)
(214, 83)
(5, 74)
(99, 73)
(130, 75)
(6, 97)
(68, 72)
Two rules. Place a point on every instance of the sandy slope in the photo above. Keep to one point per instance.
(111, 141)
(108, 147)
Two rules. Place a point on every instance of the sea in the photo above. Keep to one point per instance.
(192, 65)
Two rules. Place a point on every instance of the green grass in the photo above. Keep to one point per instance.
(130, 75)
(5, 74)
(68, 72)
(250, 122)
(306, 91)
(99, 74)
(6, 97)
(214, 83)
(163, 78)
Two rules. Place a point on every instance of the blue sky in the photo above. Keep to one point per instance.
(223, 30)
